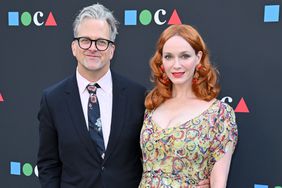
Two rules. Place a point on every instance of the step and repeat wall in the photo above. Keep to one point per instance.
(244, 39)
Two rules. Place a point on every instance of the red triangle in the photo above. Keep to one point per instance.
(174, 19)
(1, 98)
(242, 107)
(51, 20)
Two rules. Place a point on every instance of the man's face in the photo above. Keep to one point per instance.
(92, 60)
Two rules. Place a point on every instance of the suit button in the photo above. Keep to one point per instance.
(103, 167)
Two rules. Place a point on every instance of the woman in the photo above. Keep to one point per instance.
(188, 135)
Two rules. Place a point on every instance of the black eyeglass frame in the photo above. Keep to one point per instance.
(95, 42)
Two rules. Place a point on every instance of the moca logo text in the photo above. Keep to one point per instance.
(271, 13)
(241, 107)
(26, 19)
(17, 169)
(1, 98)
(265, 186)
(146, 17)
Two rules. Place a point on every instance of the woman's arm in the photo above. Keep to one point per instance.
(220, 171)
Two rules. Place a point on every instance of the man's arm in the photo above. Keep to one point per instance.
(48, 162)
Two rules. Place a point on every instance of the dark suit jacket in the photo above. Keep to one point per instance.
(67, 157)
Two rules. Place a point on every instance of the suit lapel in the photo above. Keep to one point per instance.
(118, 114)
(77, 116)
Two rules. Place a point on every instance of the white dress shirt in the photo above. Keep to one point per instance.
(105, 98)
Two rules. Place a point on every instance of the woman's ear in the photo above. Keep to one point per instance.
(199, 56)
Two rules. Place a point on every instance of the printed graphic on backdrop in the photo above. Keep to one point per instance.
(26, 169)
(271, 13)
(265, 186)
(241, 107)
(1, 98)
(146, 17)
(39, 18)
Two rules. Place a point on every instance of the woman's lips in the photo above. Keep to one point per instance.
(177, 74)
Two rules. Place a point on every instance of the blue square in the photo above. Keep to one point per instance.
(271, 13)
(13, 18)
(130, 17)
(15, 168)
(260, 186)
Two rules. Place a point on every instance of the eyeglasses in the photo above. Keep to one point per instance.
(85, 43)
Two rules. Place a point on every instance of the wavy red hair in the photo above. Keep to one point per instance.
(205, 82)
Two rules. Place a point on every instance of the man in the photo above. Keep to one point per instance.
(69, 156)
(90, 122)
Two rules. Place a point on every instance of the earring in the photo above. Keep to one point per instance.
(164, 79)
(162, 67)
(194, 80)
(199, 67)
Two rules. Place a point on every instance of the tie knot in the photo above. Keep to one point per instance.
(92, 88)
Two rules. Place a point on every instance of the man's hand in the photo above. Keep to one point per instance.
(204, 184)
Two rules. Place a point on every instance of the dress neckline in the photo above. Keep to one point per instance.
(181, 124)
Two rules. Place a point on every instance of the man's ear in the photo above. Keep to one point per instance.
(73, 48)
(112, 50)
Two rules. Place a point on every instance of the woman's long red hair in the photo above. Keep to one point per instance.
(205, 87)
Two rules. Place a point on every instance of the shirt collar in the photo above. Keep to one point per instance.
(105, 82)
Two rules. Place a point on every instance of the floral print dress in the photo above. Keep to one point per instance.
(183, 155)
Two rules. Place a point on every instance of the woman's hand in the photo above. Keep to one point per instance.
(204, 184)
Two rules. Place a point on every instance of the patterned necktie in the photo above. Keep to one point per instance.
(94, 119)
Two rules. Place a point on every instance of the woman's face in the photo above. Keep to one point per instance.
(179, 60)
